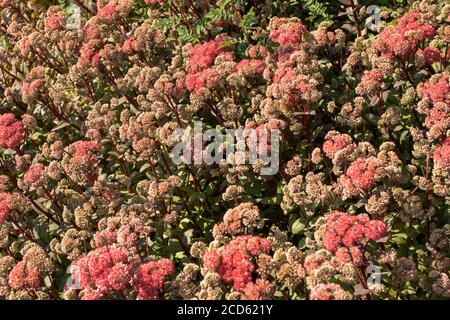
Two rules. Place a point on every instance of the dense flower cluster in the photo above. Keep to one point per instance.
(11, 131)
(402, 39)
(93, 206)
(234, 263)
(5, 207)
(360, 175)
(287, 31)
(350, 230)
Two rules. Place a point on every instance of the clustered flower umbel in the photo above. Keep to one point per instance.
(87, 117)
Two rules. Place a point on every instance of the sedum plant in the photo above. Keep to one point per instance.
(92, 206)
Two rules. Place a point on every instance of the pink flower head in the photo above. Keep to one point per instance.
(431, 55)
(83, 159)
(374, 229)
(5, 206)
(283, 75)
(261, 289)
(12, 131)
(370, 83)
(108, 13)
(84, 149)
(24, 47)
(130, 46)
(119, 276)
(360, 175)
(349, 231)
(234, 262)
(91, 31)
(104, 238)
(344, 256)
(250, 67)
(438, 115)
(35, 175)
(5, 3)
(103, 269)
(204, 79)
(22, 276)
(314, 261)
(150, 278)
(238, 218)
(89, 54)
(286, 32)
(441, 154)
(202, 55)
(353, 235)
(324, 38)
(31, 90)
(402, 39)
(335, 142)
(259, 138)
(211, 259)
(436, 89)
(54, 19)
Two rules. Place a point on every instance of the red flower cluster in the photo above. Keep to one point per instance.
(150, 278)
(89, 54)
(283, 75)
(334, 142)
(371, 82)
(436, 89)
(82, 159)
(314, 261)
(109, 11)
(431, 55)
(438, 116)
(402, 39)
(107, 270)
(12, 132)
(104, 269)
(234, 262)
(287, 32)
(351, 255)
(349, 231)
(23, 276)
(250, 67)
(360, 175)
(34, 175)
(91, 31)
(202, 56)
(293, 86)
(83, 150)
(442, 154)
(201, 74)
(324, 38)
(203, 79)
(5, 206)
(261, 289)
(54, 19)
